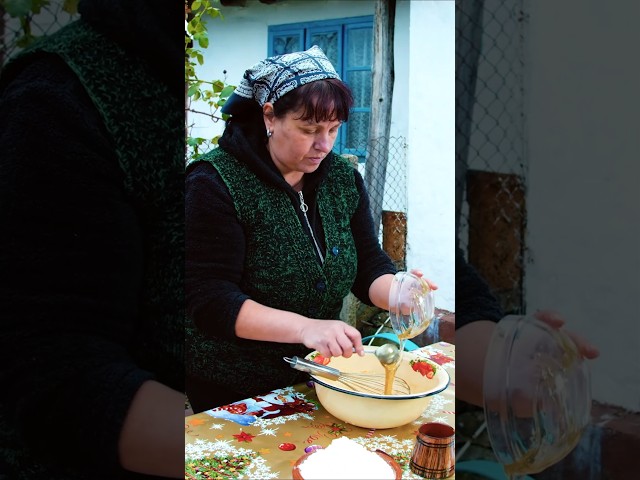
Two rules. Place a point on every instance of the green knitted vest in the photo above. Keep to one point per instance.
(281, 269)
(146, 125)
(142, 118)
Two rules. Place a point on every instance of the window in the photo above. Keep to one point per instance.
(348, 43)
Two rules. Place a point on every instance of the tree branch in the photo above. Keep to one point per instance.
(213, 116)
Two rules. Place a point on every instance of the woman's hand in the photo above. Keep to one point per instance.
(332, 338)
(381, 286)
(418, 273)
(555, 320)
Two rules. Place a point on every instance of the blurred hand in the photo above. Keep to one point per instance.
(555, 320)
(418, 273)
(332, 338)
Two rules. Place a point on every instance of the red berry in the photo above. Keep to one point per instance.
(322, 360)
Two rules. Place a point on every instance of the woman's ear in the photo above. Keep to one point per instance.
(268, 114)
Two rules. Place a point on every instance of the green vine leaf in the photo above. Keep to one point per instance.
(217, 86)
(193, 141)
(192, 89)
(211, 94)
(70, 6)
(226, 91)
(19, 8)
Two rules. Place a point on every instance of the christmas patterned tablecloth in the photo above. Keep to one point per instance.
(262, 437)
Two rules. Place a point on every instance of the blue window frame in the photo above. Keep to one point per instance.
(348, 43)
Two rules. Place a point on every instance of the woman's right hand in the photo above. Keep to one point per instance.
(332, 338)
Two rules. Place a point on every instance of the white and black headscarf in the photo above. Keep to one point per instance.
(270, 79)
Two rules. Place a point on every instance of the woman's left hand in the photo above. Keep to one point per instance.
(555, 320)
(418, 273)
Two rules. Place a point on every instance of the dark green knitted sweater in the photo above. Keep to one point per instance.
(85, 329)
(281, 271)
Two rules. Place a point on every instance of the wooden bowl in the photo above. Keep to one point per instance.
(385, 456)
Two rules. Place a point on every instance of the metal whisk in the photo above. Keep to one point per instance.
(358, 382)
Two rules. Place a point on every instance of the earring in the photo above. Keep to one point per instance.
(269, 133)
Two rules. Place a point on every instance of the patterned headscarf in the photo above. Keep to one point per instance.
(270, 79)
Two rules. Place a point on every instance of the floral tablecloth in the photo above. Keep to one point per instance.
(262, 437)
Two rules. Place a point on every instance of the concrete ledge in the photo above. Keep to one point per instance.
(609, 449)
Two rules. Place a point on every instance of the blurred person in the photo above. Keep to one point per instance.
(91, 254)
(278, 231)
(477, 313)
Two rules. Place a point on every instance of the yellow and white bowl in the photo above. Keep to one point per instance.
(368, 410)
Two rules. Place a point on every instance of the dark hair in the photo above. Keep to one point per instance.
(321, 100)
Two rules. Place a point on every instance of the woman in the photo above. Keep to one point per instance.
(278, 232)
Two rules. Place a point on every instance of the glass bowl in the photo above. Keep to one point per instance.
(537, 394)
(411, 305)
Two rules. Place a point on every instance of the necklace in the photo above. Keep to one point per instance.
(304, 208)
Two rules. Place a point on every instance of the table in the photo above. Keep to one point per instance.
(262, 437)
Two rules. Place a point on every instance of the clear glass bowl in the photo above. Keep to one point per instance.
(537, 395)
(411, 305)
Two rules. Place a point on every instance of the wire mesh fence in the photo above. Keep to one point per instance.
(491, 165)
(388, 193)
(23, 22)
(388, 203)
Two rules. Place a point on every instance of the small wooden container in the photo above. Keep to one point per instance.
(434, 454)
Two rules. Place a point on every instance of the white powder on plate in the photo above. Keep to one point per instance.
(344, 458)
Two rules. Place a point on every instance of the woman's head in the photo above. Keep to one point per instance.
(322, 100)
(287, 80)
(303, 103)
(303, 125)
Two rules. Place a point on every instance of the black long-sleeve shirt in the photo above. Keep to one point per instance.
(474, 300)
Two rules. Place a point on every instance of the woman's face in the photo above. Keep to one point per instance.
(298, 145)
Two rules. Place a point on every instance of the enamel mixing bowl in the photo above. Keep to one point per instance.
(369, 410)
